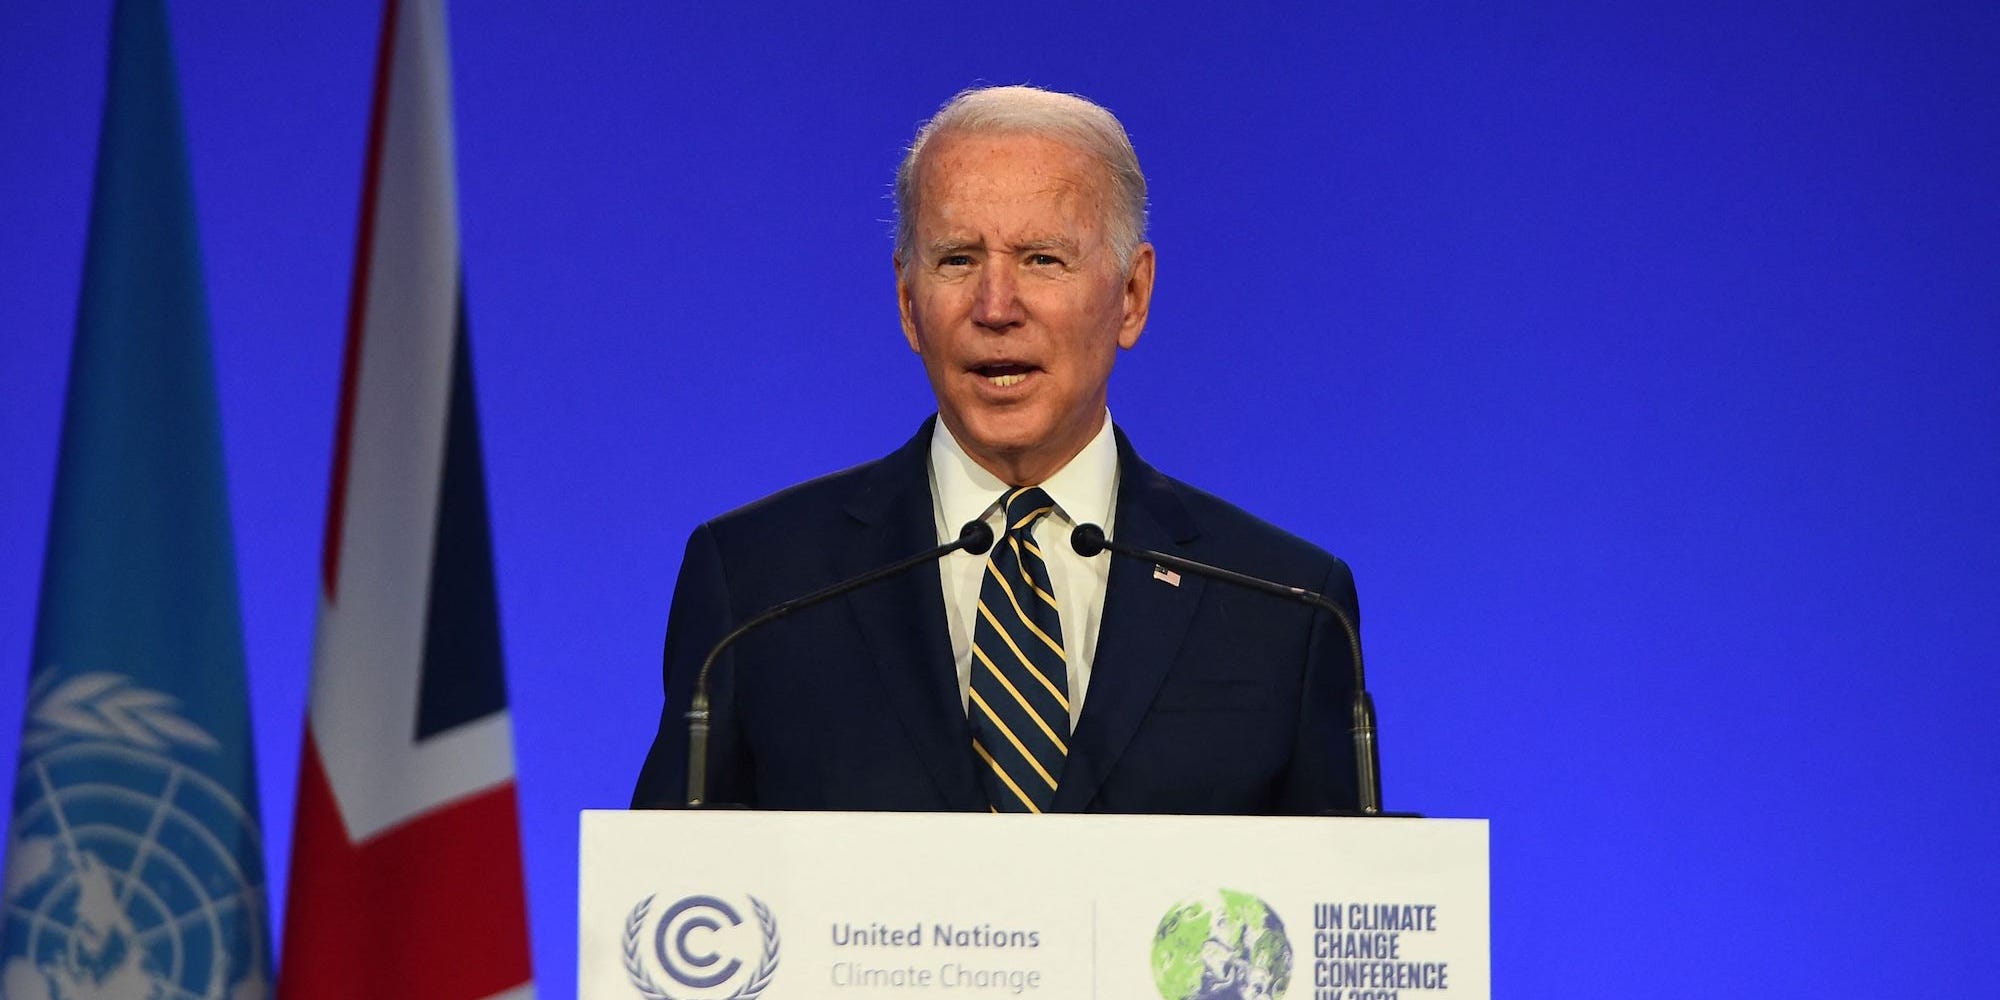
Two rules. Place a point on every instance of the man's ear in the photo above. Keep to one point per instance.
(1138, 296)
(903, 305)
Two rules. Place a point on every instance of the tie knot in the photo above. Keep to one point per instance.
(1025, 507)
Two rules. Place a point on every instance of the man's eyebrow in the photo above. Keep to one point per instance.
(939, 248)
(953, 245)
(1044, 243)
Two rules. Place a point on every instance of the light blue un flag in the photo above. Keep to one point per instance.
(135, 861)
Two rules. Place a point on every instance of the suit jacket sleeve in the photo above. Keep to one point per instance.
(699, 618)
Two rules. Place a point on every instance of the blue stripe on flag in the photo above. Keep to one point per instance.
(462, 676)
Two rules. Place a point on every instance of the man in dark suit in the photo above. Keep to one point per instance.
(1031, 679)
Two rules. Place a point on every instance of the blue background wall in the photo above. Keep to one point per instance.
(1641, 361)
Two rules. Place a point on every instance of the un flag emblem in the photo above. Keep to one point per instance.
(126, 869)
(707, 948)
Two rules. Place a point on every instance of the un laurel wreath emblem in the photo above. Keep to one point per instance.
(679, 939)
(130, 868)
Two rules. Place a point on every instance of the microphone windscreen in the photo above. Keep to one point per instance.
(1087, 540)
(977, 536)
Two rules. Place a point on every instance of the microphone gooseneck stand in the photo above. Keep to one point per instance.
(975, 538)
(1089, 540)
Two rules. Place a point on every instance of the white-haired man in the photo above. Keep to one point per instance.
(1031, 679)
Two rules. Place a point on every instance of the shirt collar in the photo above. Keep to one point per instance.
(1083, 489)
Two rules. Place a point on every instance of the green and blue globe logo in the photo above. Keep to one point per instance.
(1231, 946)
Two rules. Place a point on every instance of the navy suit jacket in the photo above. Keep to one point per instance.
(1204, 697)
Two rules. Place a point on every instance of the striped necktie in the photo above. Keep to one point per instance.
(1019, 702)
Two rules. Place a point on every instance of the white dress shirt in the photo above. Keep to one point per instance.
(1084, 492)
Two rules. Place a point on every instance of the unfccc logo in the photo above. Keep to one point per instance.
(704, 945)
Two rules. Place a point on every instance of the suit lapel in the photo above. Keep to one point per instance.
(1145, 620)
(902, 619)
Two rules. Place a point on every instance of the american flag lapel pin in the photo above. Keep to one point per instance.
(1172, 578)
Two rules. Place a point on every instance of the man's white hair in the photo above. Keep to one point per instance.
(1067, 118)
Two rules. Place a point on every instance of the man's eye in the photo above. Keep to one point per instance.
(955, 260)
(1044, 260)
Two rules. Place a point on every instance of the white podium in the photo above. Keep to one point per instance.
(697, 905)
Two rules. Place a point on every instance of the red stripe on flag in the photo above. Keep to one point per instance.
(357, 306)
(453, 873)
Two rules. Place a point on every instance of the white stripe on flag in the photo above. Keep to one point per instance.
(368, 661)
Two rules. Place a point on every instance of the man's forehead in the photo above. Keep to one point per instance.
(1024, 160)
(1019, 189)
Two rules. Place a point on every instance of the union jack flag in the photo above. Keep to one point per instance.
(406, 862)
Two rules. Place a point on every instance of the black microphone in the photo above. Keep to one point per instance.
(975, 538)
(1088, 540)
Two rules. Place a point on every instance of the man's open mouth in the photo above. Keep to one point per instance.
(1004, 374)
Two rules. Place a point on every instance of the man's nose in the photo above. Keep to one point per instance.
(997, 302)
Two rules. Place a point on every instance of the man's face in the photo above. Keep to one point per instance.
(1014, 297)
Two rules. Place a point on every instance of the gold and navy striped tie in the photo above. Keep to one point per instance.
(1019, 705)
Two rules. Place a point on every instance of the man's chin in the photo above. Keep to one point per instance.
(1006, 449)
